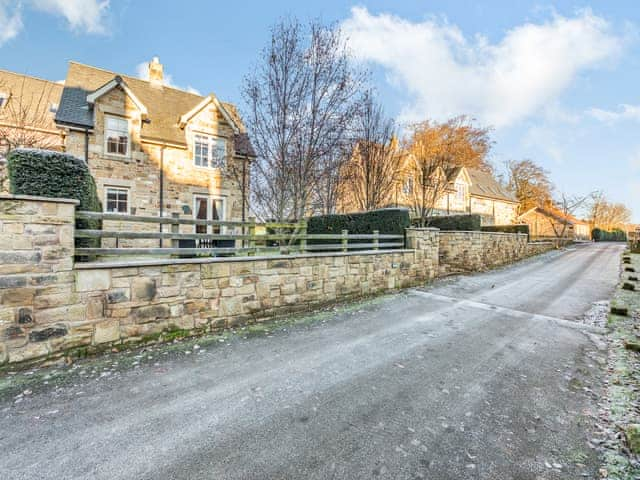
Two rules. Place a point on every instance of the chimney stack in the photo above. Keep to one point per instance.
(156, 76)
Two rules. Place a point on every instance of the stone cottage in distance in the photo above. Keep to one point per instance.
(153, 149)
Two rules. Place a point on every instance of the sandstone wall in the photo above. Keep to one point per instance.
(49, 307)
(462, 252)
(39, 310)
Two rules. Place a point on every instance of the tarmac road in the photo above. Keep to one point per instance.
(479, 377)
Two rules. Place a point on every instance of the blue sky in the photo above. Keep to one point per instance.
(558, 81)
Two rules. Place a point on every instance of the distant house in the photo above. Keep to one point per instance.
(550, 222)
(468, 190)
(28, 107)
(153, 149)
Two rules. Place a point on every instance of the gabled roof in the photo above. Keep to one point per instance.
(556, 214)
(165, 105)
(211, 98)
(483, 184)
(116, 82)
(31, 93)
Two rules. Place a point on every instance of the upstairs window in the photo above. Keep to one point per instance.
(116, 200)
(116, 134)
(407, 187)
(3, 99)
(209, 152)
(461, 191)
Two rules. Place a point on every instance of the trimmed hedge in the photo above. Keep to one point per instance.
(47, 173)
(599, 235)
(522, 228)
(391, 221)
(457, 222)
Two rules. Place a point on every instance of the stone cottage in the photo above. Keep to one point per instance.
(551, 222)
(154, 150)
(468, 190)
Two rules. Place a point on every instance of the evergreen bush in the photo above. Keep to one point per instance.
(465, 223)
(391, 221)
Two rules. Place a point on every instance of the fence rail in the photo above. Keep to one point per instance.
(278, 238)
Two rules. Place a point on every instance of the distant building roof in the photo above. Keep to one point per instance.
(36, 96)
(484, 184)
(165, 105)
(555, 213)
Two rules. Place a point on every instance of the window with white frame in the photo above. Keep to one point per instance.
(116, 135)
(116, 200)
(461, 191)
(208, 208)
(208, 151)
(407, 187)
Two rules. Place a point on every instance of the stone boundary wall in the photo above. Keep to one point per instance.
(464, 252)
(39, 310)
(50, 307)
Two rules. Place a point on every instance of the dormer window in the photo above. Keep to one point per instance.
(116, 135)
(209, 152)
(3, 99)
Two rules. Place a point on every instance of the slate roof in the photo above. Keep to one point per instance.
(483, 184)
(37, 94)
(165, 105)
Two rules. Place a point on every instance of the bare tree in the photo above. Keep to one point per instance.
(529, 182)
(428, 165)
(369, 177)
(566, 206)
(301, 101)
(607, 215)
(26, 118)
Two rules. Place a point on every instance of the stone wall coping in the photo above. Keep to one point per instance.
(424, 229)
(33, 198)
(183, 261)
(483, 233)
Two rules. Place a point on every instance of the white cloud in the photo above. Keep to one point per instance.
(87, 16)
(142, 72)
(83, 15)
(446, 73)
(10, 21)
(625, 112)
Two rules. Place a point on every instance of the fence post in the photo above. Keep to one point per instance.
(175, 228)
(303, 235)
(252, 234)
(375, 239)
(345, 240)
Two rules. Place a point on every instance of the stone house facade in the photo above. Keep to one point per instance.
(467, 190)
(155, 150)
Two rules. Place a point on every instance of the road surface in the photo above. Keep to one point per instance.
(479, 377)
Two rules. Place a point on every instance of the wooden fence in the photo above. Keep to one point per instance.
(278, 238)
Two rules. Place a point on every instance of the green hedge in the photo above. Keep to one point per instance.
(46, 173)
(522, 228)
(600, 235)
(391, 221)
(456, 222)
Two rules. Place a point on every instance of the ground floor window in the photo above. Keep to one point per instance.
(209, 208)
(116, 200)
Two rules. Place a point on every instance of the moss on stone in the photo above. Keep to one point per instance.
(632, 433)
